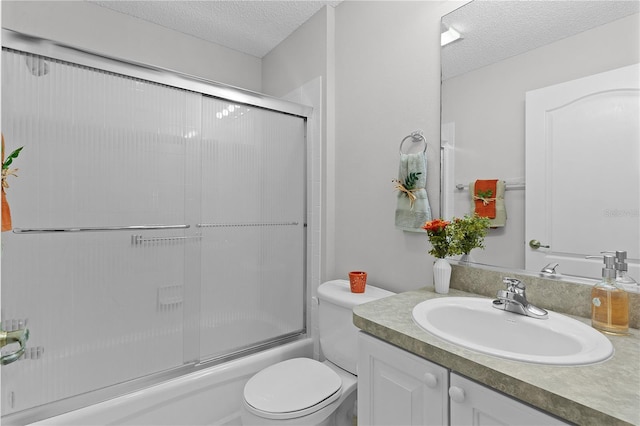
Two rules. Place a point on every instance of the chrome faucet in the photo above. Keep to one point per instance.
(550, 269)
(514, 299)
(8, 337)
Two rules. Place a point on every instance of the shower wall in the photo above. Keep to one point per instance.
(154, 227)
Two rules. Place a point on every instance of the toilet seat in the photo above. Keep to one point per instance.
(292, 388)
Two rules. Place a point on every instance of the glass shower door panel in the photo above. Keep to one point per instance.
(100, 150)
(253, 192)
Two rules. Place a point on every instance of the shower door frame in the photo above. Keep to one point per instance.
(64, 52)
(44, 47)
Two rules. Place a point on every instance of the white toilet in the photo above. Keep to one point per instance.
(303, 391)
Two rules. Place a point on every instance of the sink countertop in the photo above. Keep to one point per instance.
(604, 393)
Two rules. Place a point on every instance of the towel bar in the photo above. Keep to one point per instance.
(95, 229)
(508, 186)
(231, 225)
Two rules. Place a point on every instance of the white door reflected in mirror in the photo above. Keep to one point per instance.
(583, 172)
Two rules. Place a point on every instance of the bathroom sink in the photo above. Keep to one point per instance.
(473, 323)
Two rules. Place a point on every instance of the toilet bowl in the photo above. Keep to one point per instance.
(303, 391)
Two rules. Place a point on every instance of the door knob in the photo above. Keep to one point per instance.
(535, 244)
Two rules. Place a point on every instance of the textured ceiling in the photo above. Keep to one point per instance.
(252, 27)
(492, 30)
(496, 30)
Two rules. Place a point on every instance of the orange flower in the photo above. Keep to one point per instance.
(458, 236)
(436, 225)
(438, 237)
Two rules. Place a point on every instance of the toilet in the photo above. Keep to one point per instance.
(303, 391)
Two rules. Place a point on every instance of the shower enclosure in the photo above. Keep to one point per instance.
(159, 224)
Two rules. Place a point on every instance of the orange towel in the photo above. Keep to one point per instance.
(485, 197)
(6, 212)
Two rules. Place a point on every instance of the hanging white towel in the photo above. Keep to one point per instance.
(411, 216)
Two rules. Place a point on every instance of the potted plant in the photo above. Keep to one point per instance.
(439, 233)
(439, 237)
(450, 238)
(468, 233)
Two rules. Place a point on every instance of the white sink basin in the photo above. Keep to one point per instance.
(473, 323)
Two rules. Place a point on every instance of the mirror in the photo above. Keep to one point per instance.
(506, 49)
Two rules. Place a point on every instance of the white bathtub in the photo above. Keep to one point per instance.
(208, 397)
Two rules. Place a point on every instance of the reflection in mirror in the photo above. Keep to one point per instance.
(509, 48)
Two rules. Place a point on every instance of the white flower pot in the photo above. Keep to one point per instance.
(441, 275)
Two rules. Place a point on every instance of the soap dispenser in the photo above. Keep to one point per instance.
(622, 275)
(609, 302)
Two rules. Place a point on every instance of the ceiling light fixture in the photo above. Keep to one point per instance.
(449, 36)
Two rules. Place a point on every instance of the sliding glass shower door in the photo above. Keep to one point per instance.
(153, 227)
(252, 226)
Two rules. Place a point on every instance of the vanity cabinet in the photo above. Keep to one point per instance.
(478, 405)
(396, 387)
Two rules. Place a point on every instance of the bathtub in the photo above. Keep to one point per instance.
(211, 396)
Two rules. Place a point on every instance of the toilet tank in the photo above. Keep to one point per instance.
(338, 335)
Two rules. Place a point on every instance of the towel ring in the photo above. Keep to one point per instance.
(415, 137)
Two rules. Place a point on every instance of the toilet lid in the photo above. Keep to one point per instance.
(292, 388)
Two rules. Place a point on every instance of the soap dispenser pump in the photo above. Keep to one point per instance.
(609, 302)
(622, 273)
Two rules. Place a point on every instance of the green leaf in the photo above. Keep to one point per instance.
(485, 194)
(411, 179)
(10, 158)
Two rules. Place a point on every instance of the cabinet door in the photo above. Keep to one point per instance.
(399, 388)
(475, 404)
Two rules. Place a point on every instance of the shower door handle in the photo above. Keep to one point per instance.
(8, 337)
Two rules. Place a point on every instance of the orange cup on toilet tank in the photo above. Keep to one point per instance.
(357, 280)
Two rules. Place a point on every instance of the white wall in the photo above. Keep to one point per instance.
(300, 57)
(306, 56)
(387, 85)
(383, 57)
(101, 30)
(488, 109)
